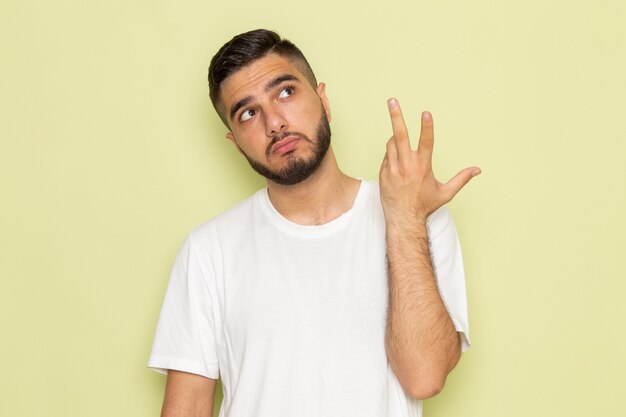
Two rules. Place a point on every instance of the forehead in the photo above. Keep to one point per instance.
(251, 79)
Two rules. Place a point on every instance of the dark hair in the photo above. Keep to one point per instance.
(245, 48)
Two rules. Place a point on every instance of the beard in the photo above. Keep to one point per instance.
(297, 169)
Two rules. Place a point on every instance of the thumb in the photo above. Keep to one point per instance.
(457, 182)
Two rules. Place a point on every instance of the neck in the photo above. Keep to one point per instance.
(324, 196)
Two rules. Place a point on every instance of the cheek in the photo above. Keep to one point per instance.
(245, 142)
(304, 114)
(249, 132)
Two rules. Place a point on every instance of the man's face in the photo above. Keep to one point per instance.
(278, 121)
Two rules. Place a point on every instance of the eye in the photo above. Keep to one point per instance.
(247, 115)
(286, 92)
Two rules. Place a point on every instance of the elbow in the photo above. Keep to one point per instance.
(428, 381)
(425, 378)
(425, 388)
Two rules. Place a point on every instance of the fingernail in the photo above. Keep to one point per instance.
(392, 103)
(426, 116)
(476, 172)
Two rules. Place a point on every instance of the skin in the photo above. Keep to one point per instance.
(327, 193)
(421, 341)
(188, 395)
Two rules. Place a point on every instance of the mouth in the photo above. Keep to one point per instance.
(285, 145)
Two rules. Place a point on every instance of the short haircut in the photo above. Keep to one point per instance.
(245, 48)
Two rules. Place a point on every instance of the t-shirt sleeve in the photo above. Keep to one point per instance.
(184, 339)
(448, 266)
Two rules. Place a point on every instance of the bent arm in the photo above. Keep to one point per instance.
(188, 395)
(421, 340)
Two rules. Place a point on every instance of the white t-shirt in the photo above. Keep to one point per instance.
(293, 317)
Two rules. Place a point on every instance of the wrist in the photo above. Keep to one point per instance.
(405, 218)
(415, 225)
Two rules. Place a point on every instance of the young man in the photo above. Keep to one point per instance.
(317, 295)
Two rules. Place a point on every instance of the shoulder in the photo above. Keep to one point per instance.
(235, 219)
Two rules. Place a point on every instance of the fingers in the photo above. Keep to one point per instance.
(400, 132)
(392, 150)
(452, 187)
(427, 138)
(383, 166)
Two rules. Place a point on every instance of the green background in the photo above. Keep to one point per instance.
(110, 152)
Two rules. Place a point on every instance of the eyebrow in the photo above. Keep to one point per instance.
(270, 84)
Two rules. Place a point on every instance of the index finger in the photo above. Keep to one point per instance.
(400, 132)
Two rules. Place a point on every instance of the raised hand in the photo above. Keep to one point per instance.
(409, 189)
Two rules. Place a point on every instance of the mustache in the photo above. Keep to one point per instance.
(278, 138)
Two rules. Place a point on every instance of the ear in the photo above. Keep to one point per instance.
(231, 138)
(321, 91)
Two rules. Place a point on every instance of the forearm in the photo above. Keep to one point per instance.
(421, 340)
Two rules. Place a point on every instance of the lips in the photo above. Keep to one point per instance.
(285, 145)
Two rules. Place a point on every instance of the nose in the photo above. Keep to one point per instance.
(275, 122)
